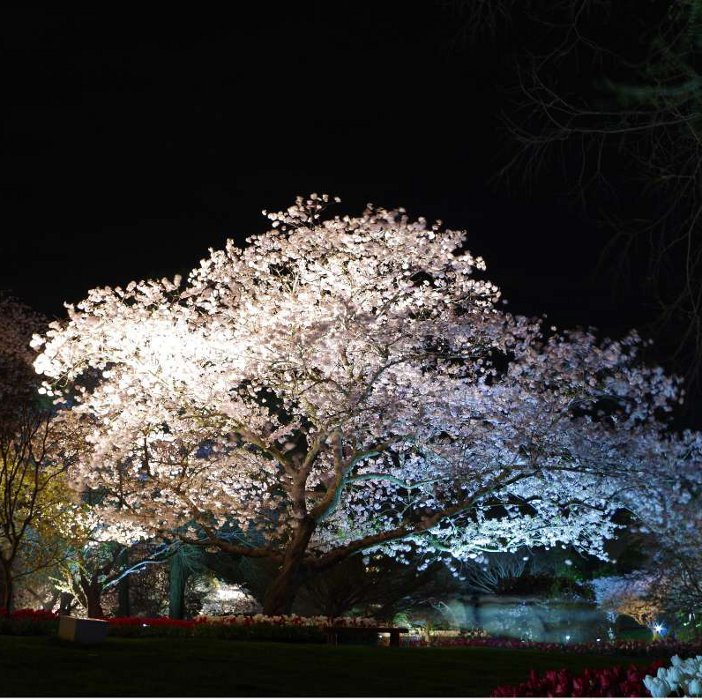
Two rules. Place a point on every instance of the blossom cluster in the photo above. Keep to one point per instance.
(591, 683)
(357, 375)
(684, 677)
(627, 595)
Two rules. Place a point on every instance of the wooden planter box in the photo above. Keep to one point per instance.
(84, 630)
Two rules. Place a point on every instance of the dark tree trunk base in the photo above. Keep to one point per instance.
(93, 595)
(280, 596)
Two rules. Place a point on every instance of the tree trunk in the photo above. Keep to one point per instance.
(7, 589)
(177, 578)
(93, 594)
(65, 603)
(124, 608)
(95, 603)
(281, 593)
(123, 597)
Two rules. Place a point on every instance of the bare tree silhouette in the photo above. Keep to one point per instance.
(612, 94)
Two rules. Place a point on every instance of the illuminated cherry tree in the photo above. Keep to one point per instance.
(667, 587)
(347, 385)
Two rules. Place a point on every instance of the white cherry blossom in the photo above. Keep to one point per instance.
(344, 384)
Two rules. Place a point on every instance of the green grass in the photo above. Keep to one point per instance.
(45, 666)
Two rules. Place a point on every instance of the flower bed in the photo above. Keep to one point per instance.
(244, 621)
(629, 648)
(27, 621)
(683, 678)
(288, 628)
(311, 629)
(593, 683)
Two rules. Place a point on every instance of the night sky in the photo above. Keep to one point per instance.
(135, 140)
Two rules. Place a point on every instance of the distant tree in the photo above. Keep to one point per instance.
(348, 385)
(666, 536)
(628, 595)
(92, 569)
(673, 543)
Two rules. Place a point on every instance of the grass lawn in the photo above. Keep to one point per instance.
(45, 666)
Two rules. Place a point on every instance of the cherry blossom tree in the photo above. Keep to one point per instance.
(344, 385)
(627, 595)
(668, 584)
(676, 562)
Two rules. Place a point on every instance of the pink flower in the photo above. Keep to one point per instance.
(608, 682)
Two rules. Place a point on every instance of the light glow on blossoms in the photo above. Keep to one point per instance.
(348, 384)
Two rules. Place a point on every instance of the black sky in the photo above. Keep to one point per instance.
(133, 140)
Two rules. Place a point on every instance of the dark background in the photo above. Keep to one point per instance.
(133, 140)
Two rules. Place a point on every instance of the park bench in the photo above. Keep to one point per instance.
(333, 631)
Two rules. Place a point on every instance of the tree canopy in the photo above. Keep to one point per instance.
(349, 384)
